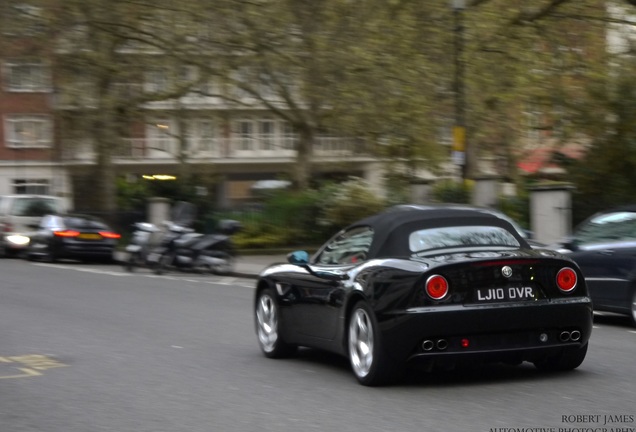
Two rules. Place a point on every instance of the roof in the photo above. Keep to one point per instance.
(389, 227)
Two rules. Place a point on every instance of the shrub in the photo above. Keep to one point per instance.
(451, 191)
(347, 202)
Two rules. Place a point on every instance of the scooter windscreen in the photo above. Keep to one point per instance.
(184, 213)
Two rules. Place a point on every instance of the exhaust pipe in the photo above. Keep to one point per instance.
(442, 344)
(575, 335)
(564, 336)
(427, 345)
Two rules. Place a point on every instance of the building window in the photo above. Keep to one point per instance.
(31, 186)
(29, 131)
(267, 134)
(206, 135)
(160, 136)
(533, 125)
(245, 133)
(290, 137)
(157, 81)
(21, 19)
(27, 77)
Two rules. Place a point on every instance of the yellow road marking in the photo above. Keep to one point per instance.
(35, 363)
(27, 373)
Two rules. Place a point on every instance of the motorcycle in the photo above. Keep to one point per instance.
(144, 238)
(185, 250)
(147, 237)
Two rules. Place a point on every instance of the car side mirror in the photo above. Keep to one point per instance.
(570, 243)
(299, 257)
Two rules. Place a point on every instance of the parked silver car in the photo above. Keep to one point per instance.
(18, 213)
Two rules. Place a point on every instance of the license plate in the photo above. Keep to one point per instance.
(523, 293)
(89, 236)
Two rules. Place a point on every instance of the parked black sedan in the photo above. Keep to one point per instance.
(439, 286)
(73, 236)
(604, 247)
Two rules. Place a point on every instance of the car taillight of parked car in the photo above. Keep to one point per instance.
(66, 233)
(109, 235)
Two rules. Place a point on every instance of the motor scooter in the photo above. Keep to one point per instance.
(186, 250)
(144, 238)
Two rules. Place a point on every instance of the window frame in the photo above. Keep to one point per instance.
(31, 186)
(39, 74)
(12, 137)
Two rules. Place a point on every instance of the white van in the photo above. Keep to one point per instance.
(18, 213)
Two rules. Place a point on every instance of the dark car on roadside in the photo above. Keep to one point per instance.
(72, 236)
(604, 247)
(440, 287)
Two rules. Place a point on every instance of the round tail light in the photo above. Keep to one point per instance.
(566, 279)
(436, 287)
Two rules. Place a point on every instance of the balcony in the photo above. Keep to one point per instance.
(166, 149)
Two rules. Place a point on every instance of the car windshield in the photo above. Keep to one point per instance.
(461, 236)
(36, 207)
(83, 222)
(608, 227)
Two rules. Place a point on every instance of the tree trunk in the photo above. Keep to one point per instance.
(304, 152)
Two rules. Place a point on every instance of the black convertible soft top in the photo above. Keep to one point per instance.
(391, 229)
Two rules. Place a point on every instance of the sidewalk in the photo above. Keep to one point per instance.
(247, 266)
(251, 265)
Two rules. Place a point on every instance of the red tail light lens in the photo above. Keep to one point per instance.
(436, 287)
(566, 279)
(109, 235)
(66, 233)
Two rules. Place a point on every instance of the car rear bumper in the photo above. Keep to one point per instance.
(490, 332)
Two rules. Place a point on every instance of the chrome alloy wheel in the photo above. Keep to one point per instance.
(361, 342)
(267, 322)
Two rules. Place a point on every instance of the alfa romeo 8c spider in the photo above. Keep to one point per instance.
(439, 286)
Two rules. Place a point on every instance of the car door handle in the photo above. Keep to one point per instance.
(606, 252)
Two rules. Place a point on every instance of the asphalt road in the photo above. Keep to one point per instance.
(90, 348)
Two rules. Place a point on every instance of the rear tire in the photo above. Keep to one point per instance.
(132, 262)
(229, 262)
(164, 263)
(268, 326)
(48, 256)
(369, 361)
(570, 358)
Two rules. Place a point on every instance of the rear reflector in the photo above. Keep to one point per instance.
(436, 287)
(566, 279)
(109, 235)
(66, 233)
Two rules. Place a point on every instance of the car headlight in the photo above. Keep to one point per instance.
(18, 239)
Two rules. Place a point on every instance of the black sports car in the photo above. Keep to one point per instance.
(440, 286)
(604, 247)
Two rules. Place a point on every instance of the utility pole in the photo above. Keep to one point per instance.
(459, 155)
